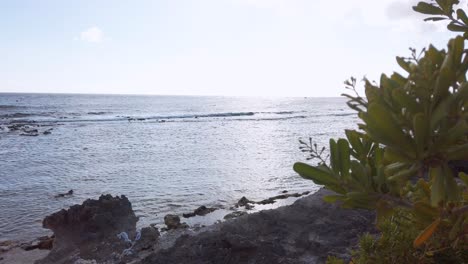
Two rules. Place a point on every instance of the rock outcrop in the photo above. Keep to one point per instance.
(89, 231)
(305, 232)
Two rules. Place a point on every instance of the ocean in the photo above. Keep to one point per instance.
(167, 154)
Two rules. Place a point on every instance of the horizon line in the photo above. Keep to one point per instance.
(181, 95)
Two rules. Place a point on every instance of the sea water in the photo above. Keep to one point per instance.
(167, 154)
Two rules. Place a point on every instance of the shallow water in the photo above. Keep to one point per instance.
(183, 152)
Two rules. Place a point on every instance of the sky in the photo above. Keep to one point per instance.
(205, 47)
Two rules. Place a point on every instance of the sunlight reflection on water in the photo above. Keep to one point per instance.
(170, 167)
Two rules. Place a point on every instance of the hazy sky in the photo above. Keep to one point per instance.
(204, 47)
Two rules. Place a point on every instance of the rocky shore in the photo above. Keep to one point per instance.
(104, 231)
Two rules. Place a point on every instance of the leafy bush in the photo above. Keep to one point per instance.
(408, 159)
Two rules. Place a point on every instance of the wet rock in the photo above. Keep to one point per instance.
(7, 245)
(89, 230)
(44, 243)
(173, 222)
(70, 192)
(234, 215)
(243, 202)
(267, 201)
(201, 211)
(279, 197)
(188, 215)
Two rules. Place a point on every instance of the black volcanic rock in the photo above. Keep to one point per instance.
(89, 231)
(201, 211)
(173, 222)
(305, 232)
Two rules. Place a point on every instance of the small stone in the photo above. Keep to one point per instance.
(173, 222)
(203, 210)
(243, 202)
(188, 215)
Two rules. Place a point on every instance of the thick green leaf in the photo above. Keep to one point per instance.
(381, 124)
(451, 187)
(456, 28)
(395, 167)
(459, 152)
(421, 132)
(406, 101)
(427, 9)
(344, 152)
(359, 174)
(435, 18)
(462, 16)
(372, 92)
(438, 193)
(455, 134)
(354, 139)
(392, 155)
(440, 112)
(319, 175)
(334, 157)
(403, 175)
(404, 64)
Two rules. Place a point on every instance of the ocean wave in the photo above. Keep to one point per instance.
(343, 114)
(228, 114)
(9, 106)
(235, 119)
(97, 113)
(94, 117)
(16, 115)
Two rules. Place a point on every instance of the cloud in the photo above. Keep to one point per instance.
(92, 34)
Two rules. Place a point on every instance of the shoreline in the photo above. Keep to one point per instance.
(260, 230)
(24, 248)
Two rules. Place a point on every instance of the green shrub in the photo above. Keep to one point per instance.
(400, 162)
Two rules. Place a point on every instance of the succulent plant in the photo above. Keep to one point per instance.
(402, 161)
